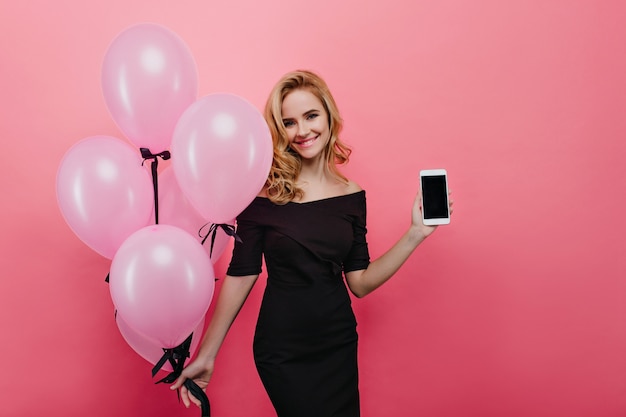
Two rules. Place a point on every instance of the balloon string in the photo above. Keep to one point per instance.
(199, 393)
(227, 228)
(146, 154)
(176, 357)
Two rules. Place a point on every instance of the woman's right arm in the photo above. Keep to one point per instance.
(233, 294)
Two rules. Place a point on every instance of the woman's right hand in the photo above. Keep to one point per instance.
(199, 371)
(232, 295)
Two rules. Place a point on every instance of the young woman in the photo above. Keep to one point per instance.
(309, 224)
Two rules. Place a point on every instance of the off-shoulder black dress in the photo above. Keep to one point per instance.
(305, 345)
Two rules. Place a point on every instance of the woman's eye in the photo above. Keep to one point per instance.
(288, 123)
(312, 116)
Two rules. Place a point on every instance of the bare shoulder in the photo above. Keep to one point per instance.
(353, 187)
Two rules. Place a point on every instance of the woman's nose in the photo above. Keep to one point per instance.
(303, 130)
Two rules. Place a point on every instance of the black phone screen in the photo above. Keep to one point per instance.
(434, 197)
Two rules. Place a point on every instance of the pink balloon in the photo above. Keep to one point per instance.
(103, 192)
(221, 155)
(176, 210)
(147, 349)
(162, 283)
(149, 78)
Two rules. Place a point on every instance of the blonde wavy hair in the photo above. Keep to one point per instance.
(281, 183)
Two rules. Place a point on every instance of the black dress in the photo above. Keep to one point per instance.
(305, 345)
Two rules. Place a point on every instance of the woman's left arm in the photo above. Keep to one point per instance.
(364, 281)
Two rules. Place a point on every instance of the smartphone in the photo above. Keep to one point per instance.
(435, 207)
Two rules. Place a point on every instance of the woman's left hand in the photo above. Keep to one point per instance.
(417, 222)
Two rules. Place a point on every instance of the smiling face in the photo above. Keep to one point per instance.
(306, 123)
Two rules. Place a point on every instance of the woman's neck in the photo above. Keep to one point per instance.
(313, 170)
(317, 181)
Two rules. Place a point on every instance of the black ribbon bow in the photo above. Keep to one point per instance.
(227, 228)
(176, 357)
(165, 155)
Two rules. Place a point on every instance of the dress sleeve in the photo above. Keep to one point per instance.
(247, 254)
(358, 258)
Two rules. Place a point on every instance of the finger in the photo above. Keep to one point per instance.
(195, 400)
(178, 383)
(184, 395)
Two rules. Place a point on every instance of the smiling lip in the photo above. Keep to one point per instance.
(306, 142)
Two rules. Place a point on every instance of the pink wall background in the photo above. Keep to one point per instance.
(516, 309)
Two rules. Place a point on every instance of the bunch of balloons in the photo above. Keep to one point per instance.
(161, 278)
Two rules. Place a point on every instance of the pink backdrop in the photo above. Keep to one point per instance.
(515, 309)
